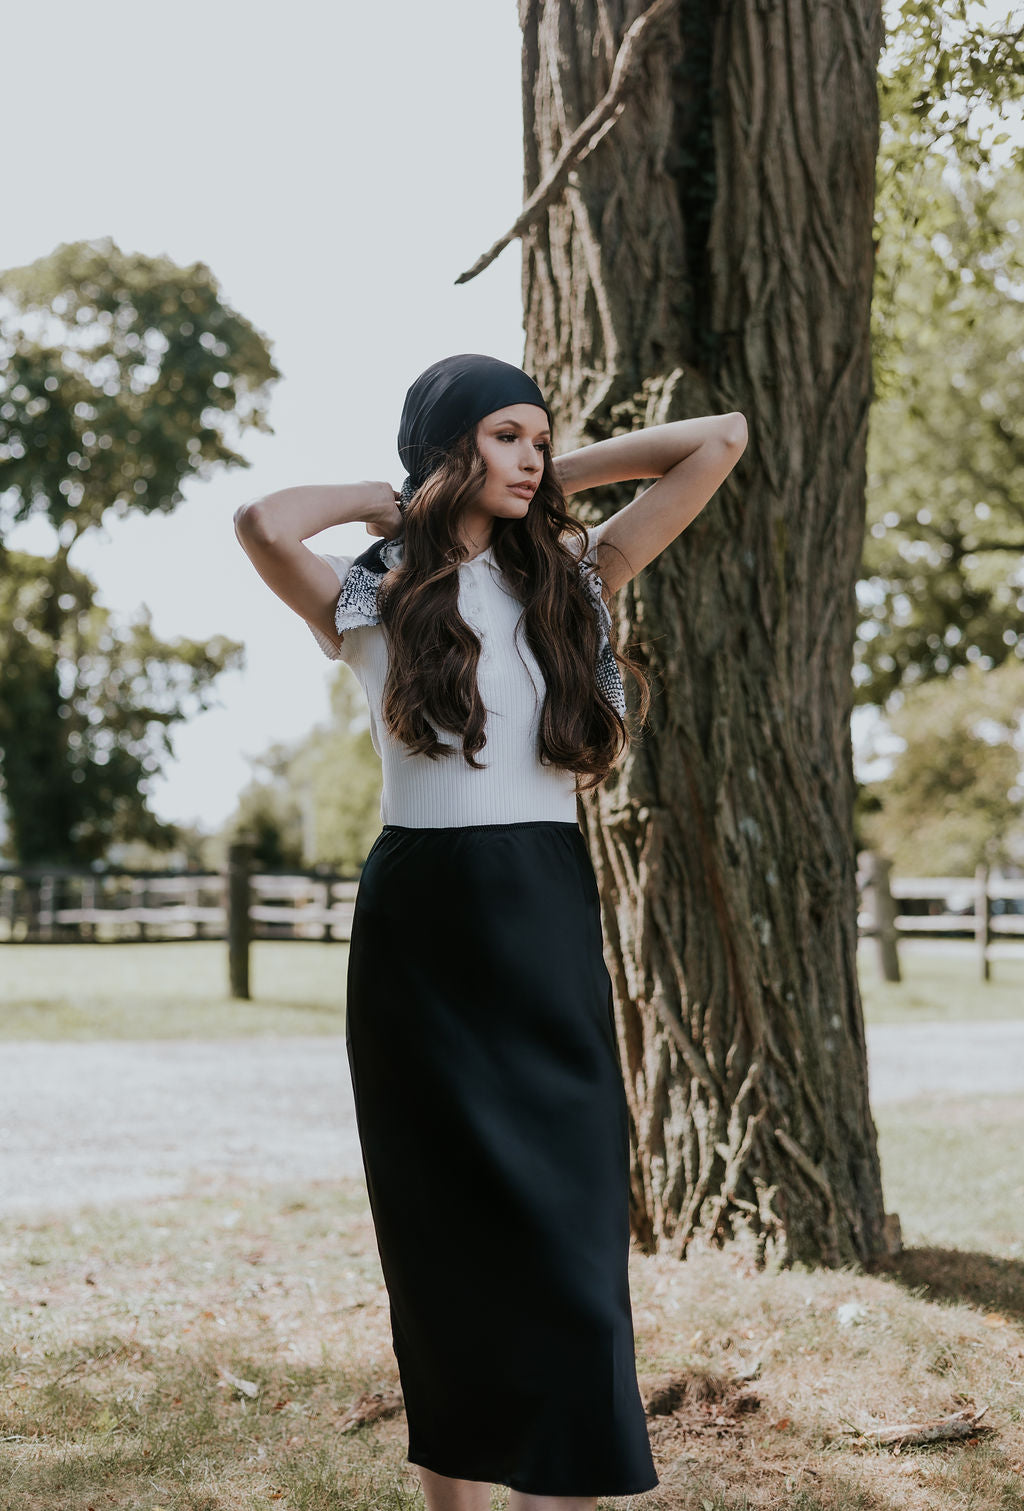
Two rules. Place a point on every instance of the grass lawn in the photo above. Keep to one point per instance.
(941, 984)
(174, 990)
(125, 1333)
(954, 1171)
(179, 990)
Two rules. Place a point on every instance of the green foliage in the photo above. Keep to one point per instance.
(119, 377)
(955, 796)
(319, 800)
(946, 460)
(342, 773)
(85, 712)
(943, 72)
(946, 445)
(182, 847)
(269, 814)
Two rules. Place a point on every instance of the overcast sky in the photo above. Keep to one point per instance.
(336, 167)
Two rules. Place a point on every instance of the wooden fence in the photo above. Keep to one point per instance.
(68, 905)
(982, 907)
(64, 905)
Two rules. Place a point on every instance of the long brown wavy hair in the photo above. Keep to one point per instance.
(433, 653)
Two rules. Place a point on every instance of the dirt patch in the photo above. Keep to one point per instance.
(697, 1404)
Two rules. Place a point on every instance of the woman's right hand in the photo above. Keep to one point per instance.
(272, 531)
(385, 518)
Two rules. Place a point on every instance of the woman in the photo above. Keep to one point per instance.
(489, 1099)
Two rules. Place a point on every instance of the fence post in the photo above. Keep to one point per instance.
(983, 918)
(138, 904)
(239, 926)
(329, 900)
(883, 914)
(9, 907)
(46, 907)
(87, 894)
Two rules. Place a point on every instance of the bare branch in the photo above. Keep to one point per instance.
(962, 1424)
(586, 136)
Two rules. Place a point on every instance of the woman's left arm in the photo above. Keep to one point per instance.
(690, 459)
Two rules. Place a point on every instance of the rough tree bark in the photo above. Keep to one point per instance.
(715, 252)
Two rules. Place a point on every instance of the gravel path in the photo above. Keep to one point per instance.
(914, 1059)
(114, 1121)
(105, 1122)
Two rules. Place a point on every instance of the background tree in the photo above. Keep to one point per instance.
(339, 774)
(955, 795)
(86, 710)
(317, 800)
(269, 812)
(941, 583)
(121, 376)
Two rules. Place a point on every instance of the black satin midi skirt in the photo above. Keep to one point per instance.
(492, 1119)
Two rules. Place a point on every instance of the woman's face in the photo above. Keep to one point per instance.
(512, 442)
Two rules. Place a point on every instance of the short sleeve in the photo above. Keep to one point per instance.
(342, 566)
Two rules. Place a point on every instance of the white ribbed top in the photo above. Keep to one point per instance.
(513, 785)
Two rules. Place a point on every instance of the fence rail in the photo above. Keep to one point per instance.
(985, 906)
(84, 906)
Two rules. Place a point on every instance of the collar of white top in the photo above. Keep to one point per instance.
(471, 561)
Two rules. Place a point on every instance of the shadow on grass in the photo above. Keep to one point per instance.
(982, 1280)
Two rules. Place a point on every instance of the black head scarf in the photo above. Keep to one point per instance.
(447, 400)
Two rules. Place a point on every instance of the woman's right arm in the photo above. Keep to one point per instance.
(272, 531)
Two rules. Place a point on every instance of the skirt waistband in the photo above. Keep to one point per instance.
(531, 823)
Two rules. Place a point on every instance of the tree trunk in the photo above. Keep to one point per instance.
(714, 252)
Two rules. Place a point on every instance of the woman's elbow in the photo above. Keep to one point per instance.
(251, 523)
(735, 429)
